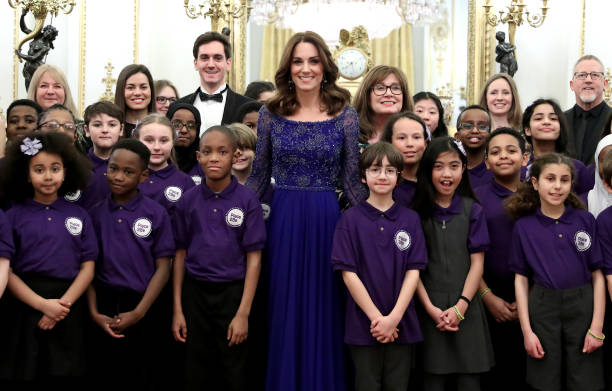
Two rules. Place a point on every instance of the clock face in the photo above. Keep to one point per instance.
(352, 63)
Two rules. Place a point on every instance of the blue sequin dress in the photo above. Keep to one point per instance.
(306, 159)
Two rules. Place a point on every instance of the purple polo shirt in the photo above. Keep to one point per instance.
(479, 175)
(97, 189)
(132, 236)
(52, 240)
(492, 196)
(380, 247)
(166, 186)
(7, 249)
(404, 192)
(604, 237)
(196, 174)
(556, 253)
(478, 240)
(217, 230)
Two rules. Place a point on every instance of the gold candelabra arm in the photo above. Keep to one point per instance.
(40, 9)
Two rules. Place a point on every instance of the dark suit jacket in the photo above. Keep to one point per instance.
(232, 102)
(591, 136)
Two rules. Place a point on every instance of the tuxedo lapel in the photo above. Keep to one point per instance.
(228, 110)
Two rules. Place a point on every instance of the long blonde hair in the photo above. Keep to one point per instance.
(59, 77)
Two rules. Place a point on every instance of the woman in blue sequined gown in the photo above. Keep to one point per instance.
(307, 141)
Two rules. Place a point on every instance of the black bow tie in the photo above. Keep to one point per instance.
(218, 96)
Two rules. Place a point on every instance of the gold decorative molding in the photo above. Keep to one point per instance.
(477, 50)
(82, 52)
(15, 58)
(136, 28)
(108, 81)
(582, 23)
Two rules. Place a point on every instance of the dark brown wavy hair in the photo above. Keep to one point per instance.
(333, 97)
(526, 200)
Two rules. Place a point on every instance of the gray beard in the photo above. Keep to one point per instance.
(589, 98)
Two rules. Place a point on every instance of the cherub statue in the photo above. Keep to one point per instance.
(505, 55)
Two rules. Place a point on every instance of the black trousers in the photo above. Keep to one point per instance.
(211, 364)
(560, 319)
(382, 367)
(135, 361)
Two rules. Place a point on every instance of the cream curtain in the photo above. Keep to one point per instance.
(274, 41)
(395, 50)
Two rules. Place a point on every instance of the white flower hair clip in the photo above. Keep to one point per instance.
(460, 147)
(30, 147)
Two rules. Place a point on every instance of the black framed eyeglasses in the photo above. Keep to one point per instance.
(177, 125)
(162, 99)
(381, 89)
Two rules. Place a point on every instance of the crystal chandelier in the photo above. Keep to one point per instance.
(327, 17)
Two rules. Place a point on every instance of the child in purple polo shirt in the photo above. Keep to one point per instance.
(129, 277)
(473, 126)
(546, 129)
(166, 184)
(380, 248)
(560, 289)
(43, 318)
(408, 133)
(6, 250)
(103, 125)
(505, 157)
(220, 232)
(456, 346)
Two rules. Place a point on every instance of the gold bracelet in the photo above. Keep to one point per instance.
(484, 292)
(461, 317)
(603, 336)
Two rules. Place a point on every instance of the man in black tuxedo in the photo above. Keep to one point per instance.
(587, 118)
(217, 103)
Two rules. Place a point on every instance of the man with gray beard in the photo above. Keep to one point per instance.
(586, 119)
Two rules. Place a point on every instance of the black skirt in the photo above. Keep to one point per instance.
(29, 353)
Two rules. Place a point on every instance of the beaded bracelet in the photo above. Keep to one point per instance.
(461, 317)
(484, 292)
(603, 336)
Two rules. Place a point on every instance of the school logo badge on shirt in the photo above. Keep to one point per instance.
(173, 193)
(73, 197)
(234, 217)
(266, 211)
(142, 227)
(402, 240)
(196, 179)
(582, 241)
(74, 225)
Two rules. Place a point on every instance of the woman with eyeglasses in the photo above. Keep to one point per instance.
(185, 120)
(165, 94)
(383, 92)
(500, 97)
(58, 118)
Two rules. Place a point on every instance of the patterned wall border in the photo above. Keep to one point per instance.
(136, 28)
